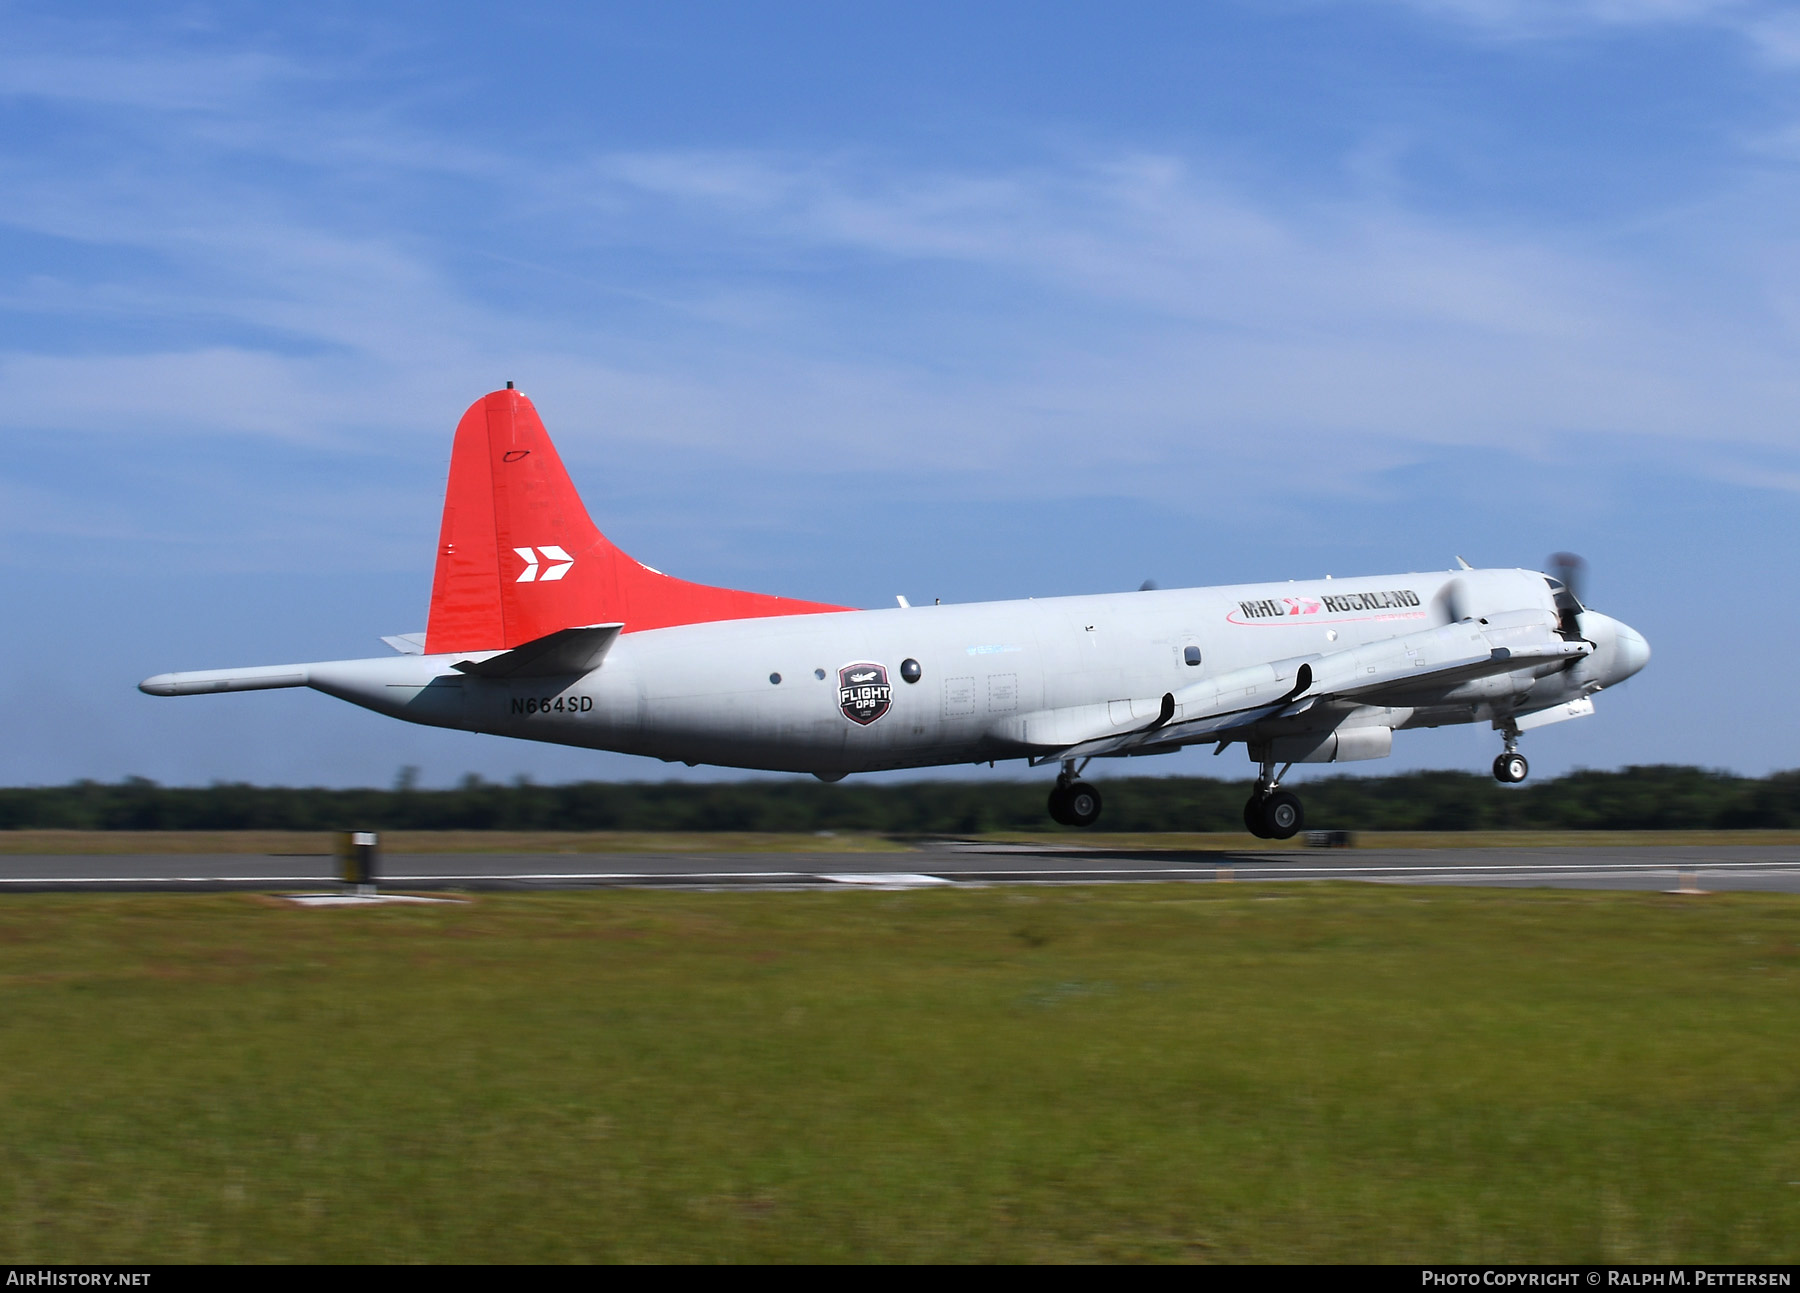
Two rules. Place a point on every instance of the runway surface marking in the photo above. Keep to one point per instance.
(889, 880)
(357, 899)
(1749, 867)
(1239, 868)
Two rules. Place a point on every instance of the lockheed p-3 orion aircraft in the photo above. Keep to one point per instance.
(540, 628)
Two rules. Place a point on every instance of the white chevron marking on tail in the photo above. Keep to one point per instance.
(531, 565)
(556, 554)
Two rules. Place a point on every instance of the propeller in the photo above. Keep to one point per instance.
(1571, 571)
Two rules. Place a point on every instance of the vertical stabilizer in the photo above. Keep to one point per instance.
(519, 558)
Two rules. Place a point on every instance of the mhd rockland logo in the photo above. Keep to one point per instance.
(864, 693)
(1398, 599)
(1273, 607)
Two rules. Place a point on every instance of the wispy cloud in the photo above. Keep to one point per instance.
(165, 82)
(249, 279)
(1771, 28)
(343, 276)
(1342, 316)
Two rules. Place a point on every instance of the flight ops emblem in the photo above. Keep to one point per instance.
(863, 692)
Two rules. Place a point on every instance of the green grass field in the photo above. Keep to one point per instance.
(1167, 1073)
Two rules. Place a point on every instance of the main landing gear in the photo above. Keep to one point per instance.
(1272, 813)
(1073, 802)
(1511, 767)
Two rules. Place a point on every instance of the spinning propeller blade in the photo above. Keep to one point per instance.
(1570, 570)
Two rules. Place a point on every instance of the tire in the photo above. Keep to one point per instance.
(1282, 815)
(1081, 804)
(1511, 769)
(1253, 817)
(1059, 805)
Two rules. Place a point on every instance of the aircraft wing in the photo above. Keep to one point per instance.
(1375, 674)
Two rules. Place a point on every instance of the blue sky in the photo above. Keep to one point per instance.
(958, 301)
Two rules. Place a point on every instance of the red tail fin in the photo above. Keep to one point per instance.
(519, 558)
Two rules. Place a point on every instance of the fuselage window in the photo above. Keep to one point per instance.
(1191, 654)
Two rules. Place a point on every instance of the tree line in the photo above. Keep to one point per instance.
(1641, 798)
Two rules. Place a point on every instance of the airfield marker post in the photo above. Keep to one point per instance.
(1686, 881)
(357, 856)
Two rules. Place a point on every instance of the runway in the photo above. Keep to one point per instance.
(1773, 869)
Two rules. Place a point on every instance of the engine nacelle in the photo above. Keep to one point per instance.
(1343, 745)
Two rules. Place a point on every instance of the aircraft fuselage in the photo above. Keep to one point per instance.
(541, 628)
(995, 680)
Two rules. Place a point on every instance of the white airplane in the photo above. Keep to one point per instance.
(540, 628)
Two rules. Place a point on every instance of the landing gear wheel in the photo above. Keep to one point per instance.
(1253, 817)
(1282, 816)
(1059, 805)
(1081, 804)
(1511, 768)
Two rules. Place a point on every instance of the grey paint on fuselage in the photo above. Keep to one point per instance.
(999, 679)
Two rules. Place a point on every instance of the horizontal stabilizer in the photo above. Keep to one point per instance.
(565, 651)
(202, 682)
(407, 643)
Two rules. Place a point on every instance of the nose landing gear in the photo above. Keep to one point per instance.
(1511, 767)
(1272, 813)
(1073, 802)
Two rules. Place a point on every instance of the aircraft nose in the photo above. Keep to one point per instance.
(1631, 652)
(1619, 649)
